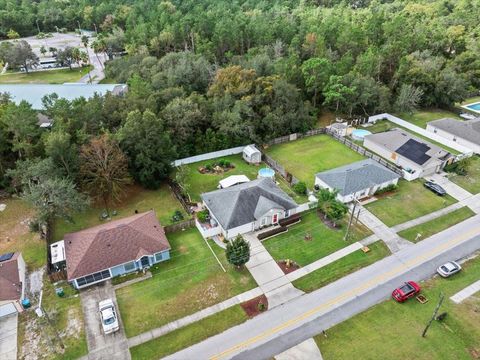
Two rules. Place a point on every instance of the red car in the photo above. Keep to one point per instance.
(406, 291)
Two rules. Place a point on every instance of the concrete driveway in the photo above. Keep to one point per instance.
(8, 337)
(101, 346)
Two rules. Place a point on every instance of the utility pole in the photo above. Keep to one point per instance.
(352, 215)
(434, 315)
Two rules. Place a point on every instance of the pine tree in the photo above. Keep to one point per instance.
(238, 251)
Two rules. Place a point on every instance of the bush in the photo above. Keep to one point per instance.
(300, 188)
(272, 232)
(202, 216)
(386, 189)
(34, 226)
(238, 251)
(177, 216)
(261, 306)
(459, 167)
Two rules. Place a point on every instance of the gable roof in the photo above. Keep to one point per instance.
(10, 285)
(113, 243)
(242, 204)
(358, 176)
(249, 150)
(468, 130)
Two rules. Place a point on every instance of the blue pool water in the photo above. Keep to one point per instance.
(359, 134)
(266, 172)
(474, 106)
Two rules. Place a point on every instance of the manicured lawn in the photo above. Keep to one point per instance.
(189, 335)
(282, 183)
(471, 100)
(15, 234)
(422, 117)
(292, 244)
(199, 183)
(410, 201)
(190, 281)
(393, 331)
(342, 267)
(306, 157)
(162, 201)
(471, 181)
(439, 224)
(59, 76)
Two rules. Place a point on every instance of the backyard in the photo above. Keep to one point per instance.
(136, 198)
(422, 117)
(58, 76)
(324, 240)
(471, 181)
(410, 201)
(190, 281)
(393, 331)
(308, 156)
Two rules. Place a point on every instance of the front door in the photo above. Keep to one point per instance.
(144, 261)
(275, 218)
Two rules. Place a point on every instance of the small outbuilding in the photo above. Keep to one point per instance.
(252, 155)
(232, 180)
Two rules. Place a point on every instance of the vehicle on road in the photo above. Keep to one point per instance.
(437, 189)
(108, 316)
(406, 291)
(448, 269)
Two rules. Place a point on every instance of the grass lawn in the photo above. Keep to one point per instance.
(393, 331)
(15, 234)
(282, 183)
(342, 267)
(422, 117)
(199, 183)
(410, 201)
(308, 156)
(470, 182)
(59, 76)
(189, 335)
(471, 100)
(190, 281)
(292, 244)
(439, 224)
(162, 201)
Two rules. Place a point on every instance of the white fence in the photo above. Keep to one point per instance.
(451, 144)
(208, 156)
(207, 233)
(306, 206)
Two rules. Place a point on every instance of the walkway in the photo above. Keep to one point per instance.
(307, 350)
(8, 337)
(466, 293)
(452, 189)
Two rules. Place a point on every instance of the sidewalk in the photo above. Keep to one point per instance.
(466, 293)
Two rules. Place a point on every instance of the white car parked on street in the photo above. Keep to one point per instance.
(449, 269)
(108, 316)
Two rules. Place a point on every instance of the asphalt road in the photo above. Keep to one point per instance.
(293, 322)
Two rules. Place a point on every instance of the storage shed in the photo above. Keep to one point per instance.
(252, 155)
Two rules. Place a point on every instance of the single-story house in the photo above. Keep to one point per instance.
(232, 180)
(247, 207)
(358, 180)
(115, 248)
(416, 156)
(252, 155)
(12, 283)
(466, 133)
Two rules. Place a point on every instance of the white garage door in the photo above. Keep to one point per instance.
(7, 309)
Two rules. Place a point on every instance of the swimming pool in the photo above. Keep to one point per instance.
(475, 107)
(266, 173)
(359, 134)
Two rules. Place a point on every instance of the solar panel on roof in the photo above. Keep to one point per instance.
(415, 151)
(6, 257)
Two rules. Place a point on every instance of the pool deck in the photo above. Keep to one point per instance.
(476, 111)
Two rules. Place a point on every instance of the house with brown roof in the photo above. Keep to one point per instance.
(118, 247)
(12, 282)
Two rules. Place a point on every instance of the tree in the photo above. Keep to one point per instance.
(43, 51)
(63, 152)
(238, 251)
(104, 170)
(336, 211)
(12, 34)
(19, 55)
(148, 147)
(316, 72)
(337, 94)
(67, 56)
(408, 98)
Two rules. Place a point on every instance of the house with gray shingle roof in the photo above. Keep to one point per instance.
(466, 133)
(358, 180)
(246, 207)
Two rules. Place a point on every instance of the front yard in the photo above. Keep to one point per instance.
(190, 281)
(471, 181)
(393, 331)
(410, 201)
(308, 156)
(324, 240)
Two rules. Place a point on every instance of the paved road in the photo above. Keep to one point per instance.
(101, 346)
(8, 337)
(293, 322)
(98, 63)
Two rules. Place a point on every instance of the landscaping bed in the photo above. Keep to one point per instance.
(288, 266)
(255, 306)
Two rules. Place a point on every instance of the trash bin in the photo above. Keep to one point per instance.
(26, 303)
(59, 292)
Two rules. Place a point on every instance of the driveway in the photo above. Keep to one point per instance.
(101, 346)
(8, 337)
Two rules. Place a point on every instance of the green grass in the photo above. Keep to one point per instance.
(282, 184)
(342, 267)
(189, 335)
(162, 201)
(190, 281)
(59, 76)
(422, 117)
(108, 81)
(292, 244)
(393, 331)
(15, 234)
(306, 157)
(199, 183)
(471, 100)
(471, 181)
(435, 226)
(410, 201)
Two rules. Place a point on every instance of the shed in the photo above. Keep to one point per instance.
(232, 180)
(252, 155)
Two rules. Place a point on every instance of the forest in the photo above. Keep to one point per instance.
(210, 74)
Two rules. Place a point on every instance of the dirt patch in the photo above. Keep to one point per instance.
(329, 223)
(287, 268)
(74, 324)
(255, 306)
(475, 353)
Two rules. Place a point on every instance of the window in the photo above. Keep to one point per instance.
(101, 275)
(287, 213)
(129, 266)
(158, 257)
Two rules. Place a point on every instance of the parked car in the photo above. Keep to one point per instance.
(437, 189)
(406, 291)
(108, 316)
(448, 269)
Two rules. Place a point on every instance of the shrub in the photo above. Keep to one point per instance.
(272, 232)
(261, 306)
(34, 226)
(459, 167)
(209, 166)
(300, 188)
(238, 251)
(202, 216)
(177, 216)
(386, 189)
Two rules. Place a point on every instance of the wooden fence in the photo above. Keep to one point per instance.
(186, 224)
(294, 136)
